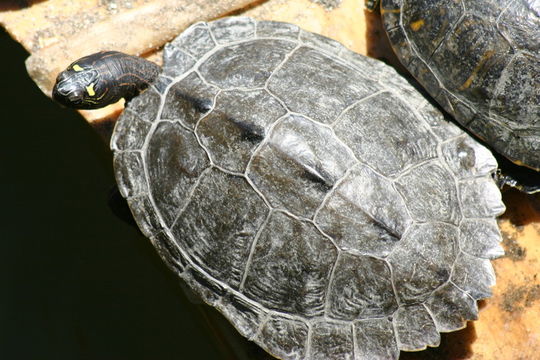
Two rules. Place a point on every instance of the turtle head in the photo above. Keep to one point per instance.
(103, 78)
(83, 84)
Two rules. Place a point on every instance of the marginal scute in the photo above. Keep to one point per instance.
(364, 214)
(188, 100)
(316, 80)
(523, 144)
(443, 98)
(451, 308)
(481, 238)
(415, 328)
(464, 111)
(396, 141)
(473, 275)
(299, 165)
(175, 61)
(169, 252)
(320, 42)
(368, 67)
(233, 28)
(391, 13)
(277, 30)
(284, 337)
(146, 105)
(129, 172)
(434, 195)
(375, 340)
(331, 341)
(247, 64)
(422, 261)
(480, 197)
(218, 225)
(248, 316)
(466, 158)
(205, 287)
(237, 125)
(290, 267)
(399, 41)
(424, 74)
(174, 161)
(130, 132)
(144, 214)
(195, 40)
(361, 288)
(498, 135)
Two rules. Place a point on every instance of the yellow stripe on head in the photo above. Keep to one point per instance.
(76, 67)
(90, 90)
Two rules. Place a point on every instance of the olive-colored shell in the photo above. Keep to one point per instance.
(480, 59)
(309, 193)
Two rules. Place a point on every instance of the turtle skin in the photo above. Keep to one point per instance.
(481, 61)
(309, 193)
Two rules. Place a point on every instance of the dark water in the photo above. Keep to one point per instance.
(75, 281)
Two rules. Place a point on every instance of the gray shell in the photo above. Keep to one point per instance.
(480, 59)
(309, 193)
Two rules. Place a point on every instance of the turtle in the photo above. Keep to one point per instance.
(309, 193)
(480, 60)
